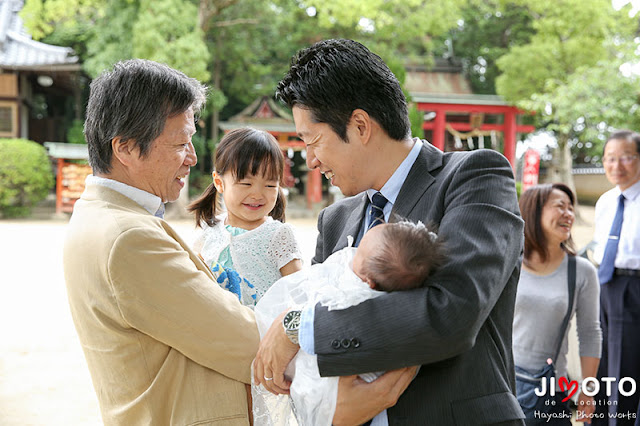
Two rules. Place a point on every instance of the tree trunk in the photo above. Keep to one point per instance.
(215, 116)
(562, 165)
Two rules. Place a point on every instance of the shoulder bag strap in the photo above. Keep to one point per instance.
(571, 282)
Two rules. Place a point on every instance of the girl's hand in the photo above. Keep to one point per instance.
(294, 266)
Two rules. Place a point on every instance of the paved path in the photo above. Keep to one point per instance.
(43, 375)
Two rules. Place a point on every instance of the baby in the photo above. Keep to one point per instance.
(390, 257)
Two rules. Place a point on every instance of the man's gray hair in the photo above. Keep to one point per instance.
(133, 101)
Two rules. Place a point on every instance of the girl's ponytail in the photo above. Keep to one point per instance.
(206, 206)
(278, 212)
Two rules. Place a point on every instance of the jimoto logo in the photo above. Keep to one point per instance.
(590, 386)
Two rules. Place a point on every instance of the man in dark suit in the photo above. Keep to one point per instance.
(352, 115)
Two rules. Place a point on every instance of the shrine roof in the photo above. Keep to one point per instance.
(19, 51)
(458, 99)
(265, 114)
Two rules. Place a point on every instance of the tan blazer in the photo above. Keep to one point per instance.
(164, 343)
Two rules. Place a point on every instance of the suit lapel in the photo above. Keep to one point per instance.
(354, 221)
(418, 180)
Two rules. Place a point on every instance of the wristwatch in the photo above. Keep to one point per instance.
(291, 324)
(590, 387)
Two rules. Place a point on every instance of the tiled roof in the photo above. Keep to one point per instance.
(588, 170)
(18, 50)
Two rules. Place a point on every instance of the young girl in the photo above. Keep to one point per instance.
(249, 239)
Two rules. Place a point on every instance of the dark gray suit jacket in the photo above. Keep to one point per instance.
(458, 327)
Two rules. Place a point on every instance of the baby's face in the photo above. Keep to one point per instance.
(369, 246)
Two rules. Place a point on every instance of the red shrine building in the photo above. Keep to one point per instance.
(456, 119)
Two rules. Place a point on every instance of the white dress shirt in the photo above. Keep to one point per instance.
(150, 202)
(628, 255)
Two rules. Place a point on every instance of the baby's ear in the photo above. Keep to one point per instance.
(372, 285)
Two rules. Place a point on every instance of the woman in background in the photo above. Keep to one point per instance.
(542, 300)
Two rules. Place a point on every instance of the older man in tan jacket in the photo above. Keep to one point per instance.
(164, 343)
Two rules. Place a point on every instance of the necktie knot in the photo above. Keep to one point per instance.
(376, 210)
(378, 200)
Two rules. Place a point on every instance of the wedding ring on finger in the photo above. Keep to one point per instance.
(268, 378)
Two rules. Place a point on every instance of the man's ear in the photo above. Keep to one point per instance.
(217, 182)
(361, 125)
(125, 152)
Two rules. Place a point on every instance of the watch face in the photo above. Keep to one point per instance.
(292, 320)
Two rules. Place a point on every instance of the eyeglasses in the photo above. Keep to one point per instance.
(624, 159)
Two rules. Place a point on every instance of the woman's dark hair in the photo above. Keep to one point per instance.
(243, 152)
(332, 78)
(532, 202)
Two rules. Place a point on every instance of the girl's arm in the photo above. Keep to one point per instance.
(284, 247)
(294, 266)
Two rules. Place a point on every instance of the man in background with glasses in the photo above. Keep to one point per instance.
(617, 233)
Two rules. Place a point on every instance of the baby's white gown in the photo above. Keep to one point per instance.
(334, 285)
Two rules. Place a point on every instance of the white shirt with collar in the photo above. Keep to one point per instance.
(391, 188)
(150, 202)
(628, 255)
(390, 191)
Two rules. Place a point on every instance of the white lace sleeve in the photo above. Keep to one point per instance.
(284, 247)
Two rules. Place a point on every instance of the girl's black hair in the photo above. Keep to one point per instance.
(244, 151)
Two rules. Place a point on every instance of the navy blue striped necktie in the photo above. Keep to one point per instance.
(376, 210)
(605, 272)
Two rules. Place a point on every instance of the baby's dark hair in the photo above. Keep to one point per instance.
(409, 253)
(243, 152)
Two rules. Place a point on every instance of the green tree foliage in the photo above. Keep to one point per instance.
(167, 31)
(106, 46)
(486, 32)
(75, 134)
(569, 34)
(586, 109)
(241, 47)
(25, 176)
(398, 28)
(104, 32)
(570, 50)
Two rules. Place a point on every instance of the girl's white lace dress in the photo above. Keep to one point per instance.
(257, 255)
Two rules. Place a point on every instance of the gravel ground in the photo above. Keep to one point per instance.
(43, 375)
